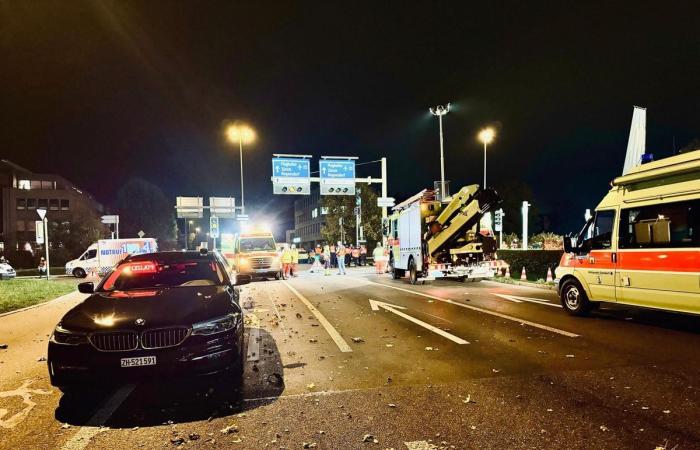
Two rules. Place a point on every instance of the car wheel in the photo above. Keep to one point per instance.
(574, 298)
(412, 272)
(79, 273)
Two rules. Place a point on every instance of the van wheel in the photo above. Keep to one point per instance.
(79, 273)
(574, 298)
(412, 272)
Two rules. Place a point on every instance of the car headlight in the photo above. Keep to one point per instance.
(218, 325)
(243, 261)
(66, 337)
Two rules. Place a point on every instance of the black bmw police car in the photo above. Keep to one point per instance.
(157, 313)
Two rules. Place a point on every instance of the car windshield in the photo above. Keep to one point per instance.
(257, 244)
(156, 274)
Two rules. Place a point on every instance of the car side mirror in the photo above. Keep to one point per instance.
(240, 280)
(86, 288)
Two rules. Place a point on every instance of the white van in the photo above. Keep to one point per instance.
(101, 256)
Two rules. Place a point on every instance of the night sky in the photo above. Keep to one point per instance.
(103, 91)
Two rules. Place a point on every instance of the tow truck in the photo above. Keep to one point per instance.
(429, 238)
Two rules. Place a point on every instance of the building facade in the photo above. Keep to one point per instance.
(22, 192)
(309, 218)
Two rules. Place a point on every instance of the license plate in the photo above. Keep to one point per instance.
(139, 361)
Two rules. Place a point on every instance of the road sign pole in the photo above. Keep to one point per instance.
(46, 246)
(117, 227)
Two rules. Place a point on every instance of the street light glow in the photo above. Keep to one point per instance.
(440, 110)
(486, 135)
(239, 133)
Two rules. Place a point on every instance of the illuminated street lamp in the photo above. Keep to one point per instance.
(440, 111)
(240, 134)
(486, 136)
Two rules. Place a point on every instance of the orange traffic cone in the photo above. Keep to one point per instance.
(507, 271)
(523, 277)
(550, 279)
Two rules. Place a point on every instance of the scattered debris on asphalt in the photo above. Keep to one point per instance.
(369, 438)
(570, 356)
(603, 428)
(65, 426)
(309, 445)
(299, 316)
(392, 405)
(311, 386)
(313, 341)
(229, 429)
(41, 359)
(428, 349)
(177, 441)
(358, 340)
(3, 346)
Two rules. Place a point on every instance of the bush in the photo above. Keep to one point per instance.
(20, 259)
(535, 262)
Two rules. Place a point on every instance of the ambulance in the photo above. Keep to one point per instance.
(254, 253)
(642, 245)
(100, 257)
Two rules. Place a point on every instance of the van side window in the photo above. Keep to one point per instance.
(601, 236)
(90, 254)
(660, 226)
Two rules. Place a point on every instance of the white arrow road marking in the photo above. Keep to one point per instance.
(395, 309)
(518, 299)
(332, 332)
(482, 310)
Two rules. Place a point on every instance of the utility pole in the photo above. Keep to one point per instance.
(440, 111)
(525, 209)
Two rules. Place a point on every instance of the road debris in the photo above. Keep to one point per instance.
(570, 356)
(309, 445)
(428, 349)
(603, 428)
(369, 438)
(177, 441)
(357, 340)
(41, 359)
(229, 429)
(193, 436)
(3, 346)
(311, 386)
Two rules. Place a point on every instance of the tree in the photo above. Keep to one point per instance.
(143, 206)
(72, 238)
(338, 207)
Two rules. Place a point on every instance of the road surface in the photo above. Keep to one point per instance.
(364, 361)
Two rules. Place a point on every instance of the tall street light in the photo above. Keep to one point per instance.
(240, 134)
(440, 111)
(486, 136)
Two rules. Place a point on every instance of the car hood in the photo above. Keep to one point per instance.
(6, 268)
(157, 308)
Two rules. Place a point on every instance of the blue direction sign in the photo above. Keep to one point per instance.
(290, 176)
(337, 176)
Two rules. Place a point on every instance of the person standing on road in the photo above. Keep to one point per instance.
(327, 259)
(363, 255)
(378, 256)
(342, 252)
(286, 259)
(334, 257)
(356, 256)
(295, 260)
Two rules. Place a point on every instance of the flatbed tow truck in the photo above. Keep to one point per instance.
(430, 239)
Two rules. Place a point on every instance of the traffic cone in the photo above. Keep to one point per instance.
(550, 279)
(523, 277)
(507, 271)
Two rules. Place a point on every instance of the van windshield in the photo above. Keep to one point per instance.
(257, 244)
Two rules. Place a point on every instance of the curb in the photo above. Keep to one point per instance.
(55, 300)
(524, 283)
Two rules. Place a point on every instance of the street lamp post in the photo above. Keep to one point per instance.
(440, 111)
(486, 136)
(45, 223)
(239, 133)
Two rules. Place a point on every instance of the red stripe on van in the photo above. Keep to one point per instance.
(672, 261)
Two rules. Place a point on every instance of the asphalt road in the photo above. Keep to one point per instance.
(339, 362)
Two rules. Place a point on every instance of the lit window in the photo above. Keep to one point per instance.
(24, 184)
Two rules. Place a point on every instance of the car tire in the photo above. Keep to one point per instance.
(412, 272)
(79, 273)
(574, 299)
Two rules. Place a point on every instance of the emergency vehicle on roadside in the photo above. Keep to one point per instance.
(642, 246)
(255, 254)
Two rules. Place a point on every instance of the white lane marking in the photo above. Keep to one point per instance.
(482, 310)
(81, 439)
(518, 299)
(395, 309)
(509, 297)
(332, 332)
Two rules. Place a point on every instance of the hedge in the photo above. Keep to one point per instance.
(536, 262)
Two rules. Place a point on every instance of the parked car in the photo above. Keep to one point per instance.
(166, 313)
(6, 270)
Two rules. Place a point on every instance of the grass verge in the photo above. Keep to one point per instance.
(17, 294)
(35, 272)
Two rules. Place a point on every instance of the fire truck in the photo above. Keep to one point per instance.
(429, 238)
(642, 246)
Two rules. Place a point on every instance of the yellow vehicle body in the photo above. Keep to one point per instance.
(642, 247)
